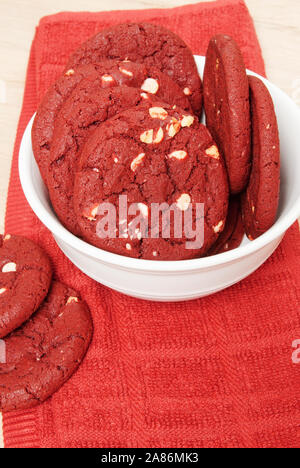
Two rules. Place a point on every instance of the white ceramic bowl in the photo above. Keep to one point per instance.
(177, 280)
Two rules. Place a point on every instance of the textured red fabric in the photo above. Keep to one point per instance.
(215, 372)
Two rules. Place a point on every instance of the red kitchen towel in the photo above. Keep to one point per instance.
(215, 372)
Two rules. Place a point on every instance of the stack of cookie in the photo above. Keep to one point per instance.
(45, 328)
(123, 119)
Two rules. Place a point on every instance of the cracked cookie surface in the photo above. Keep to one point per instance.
(146, 43)
(108, 73)
(151, 154)
(25, 276)
(226, 102)
(260, 201)
(43, 354)
(86, 108)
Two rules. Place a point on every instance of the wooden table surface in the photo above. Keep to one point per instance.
(277, 24)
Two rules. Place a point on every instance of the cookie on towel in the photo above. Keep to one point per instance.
(25, 276)
(44, 353)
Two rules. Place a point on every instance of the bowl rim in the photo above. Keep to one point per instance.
(155, 266)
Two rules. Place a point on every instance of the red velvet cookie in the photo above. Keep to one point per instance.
(146, 43)
(108, 74)
(260, 201)
(25, 276)
(153, 155)
(233, 233)
(44, 353)
(83, 111)
(237, 236)
(226, 102)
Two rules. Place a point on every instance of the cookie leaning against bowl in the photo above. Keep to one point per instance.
(43, 354)
(108, 74)
(150, 44)
(226, 103)
(25, 276)
(233, 233)
(260, 201)
(154, 155)
(86, 108)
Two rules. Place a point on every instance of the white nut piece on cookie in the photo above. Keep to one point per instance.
(9, 267)
(187, 120)
(158, 113)
(173, 127)
(150, 85)
(183, 202)
(125, 71)
(187, 91)
(180, 154)
(150, 137)
(7, 237)
(70, 72)
(137, 161)
(72, 299)
(213, 152)
(107, 78)
(3, 290)
(218, 227)
(147, 137)
(91, 215)
(158, 136)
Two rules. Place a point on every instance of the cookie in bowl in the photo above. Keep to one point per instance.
(153, 155)
(260, 201)
(106, 74)
(226, 103)
(150, 44)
